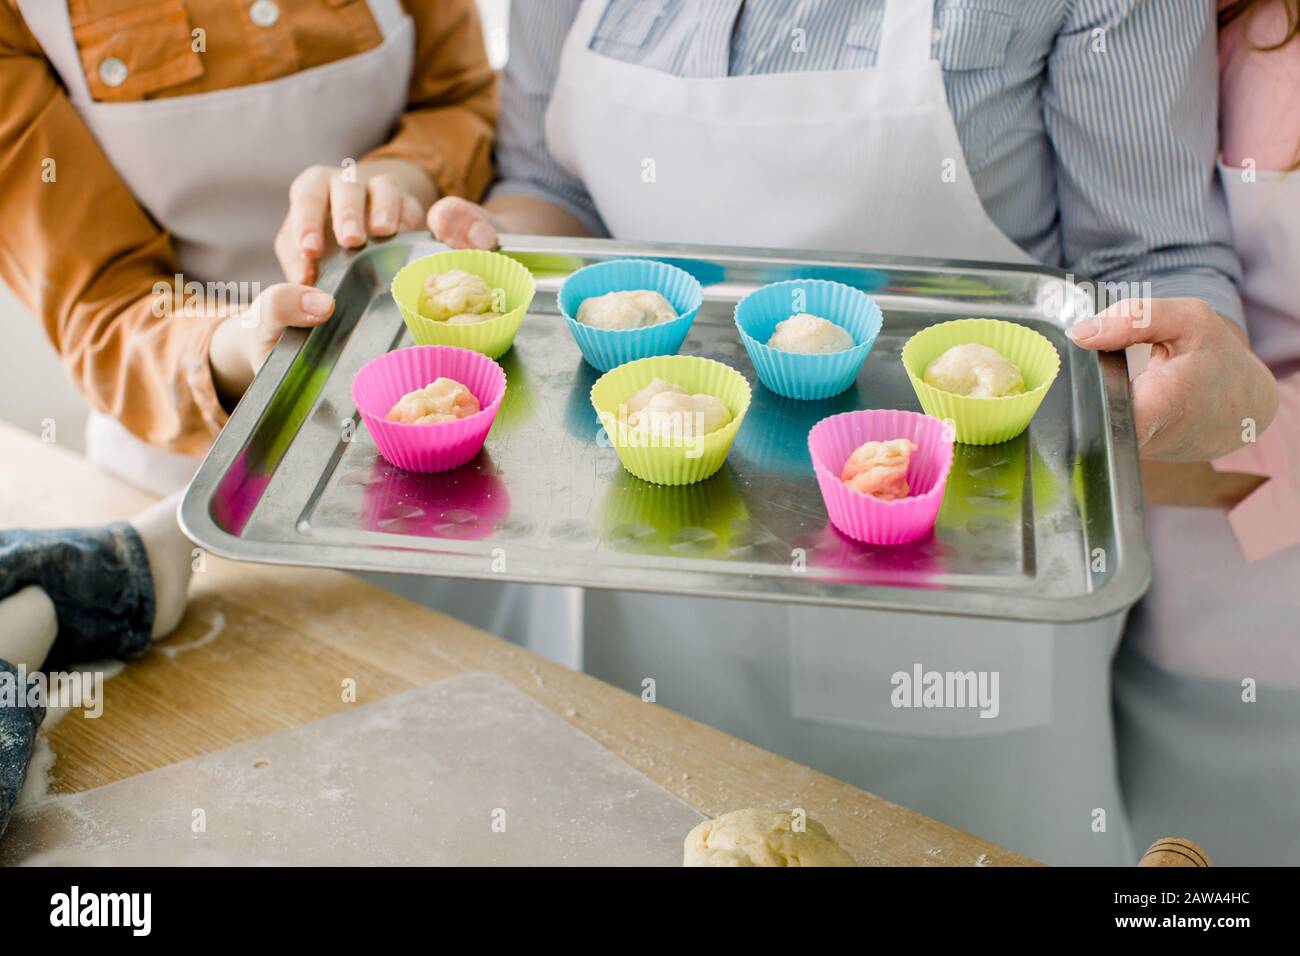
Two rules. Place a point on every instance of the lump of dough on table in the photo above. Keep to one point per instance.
(762, 837)
(879, 468)
(976, 371)
(626, 310)
(662, 408)
(442, 400)
(454, 292)
(810, 334)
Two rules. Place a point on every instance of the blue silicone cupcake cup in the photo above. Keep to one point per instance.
(798, 375)
(605, 349)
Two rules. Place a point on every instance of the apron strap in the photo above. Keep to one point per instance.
(907, 33)
(52, 27)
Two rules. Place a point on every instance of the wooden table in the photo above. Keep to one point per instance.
(288, 634)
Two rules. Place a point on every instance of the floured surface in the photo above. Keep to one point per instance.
(417, 778)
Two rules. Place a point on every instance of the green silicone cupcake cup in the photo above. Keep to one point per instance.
(983, 421)
(671, 463)
(493, 337)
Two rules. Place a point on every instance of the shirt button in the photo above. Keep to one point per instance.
(264, 13)
(113, 72)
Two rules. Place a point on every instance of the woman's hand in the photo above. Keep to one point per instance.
(1202, 388)
(378, 198)
(243, 341)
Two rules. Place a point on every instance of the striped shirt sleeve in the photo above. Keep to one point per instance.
(524, 165)
(1130, 106)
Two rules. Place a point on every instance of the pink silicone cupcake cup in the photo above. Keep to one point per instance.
(871, 520)
(383, 380)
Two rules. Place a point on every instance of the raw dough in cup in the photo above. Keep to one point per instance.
(802, 375)
(874, 520)
(807, 334)
(384, 380)
(983, 421)
(670, 463)
(975, 371)
(605, 349)
(626, 310)
(512, 287)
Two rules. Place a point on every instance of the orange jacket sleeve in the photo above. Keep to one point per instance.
(85, 258)
(451, 117)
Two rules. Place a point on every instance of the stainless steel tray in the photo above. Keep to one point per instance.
(1048, 527)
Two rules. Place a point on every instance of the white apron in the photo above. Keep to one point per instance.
(214, 169)
(853, 160)
(1195, 758)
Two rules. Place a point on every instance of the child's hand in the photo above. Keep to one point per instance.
(345, 206)
(242, 342)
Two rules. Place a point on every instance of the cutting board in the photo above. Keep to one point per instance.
(466, 771)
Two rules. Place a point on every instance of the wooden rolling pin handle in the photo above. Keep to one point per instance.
(1174, 851)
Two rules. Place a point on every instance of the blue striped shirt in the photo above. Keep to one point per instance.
(1089, 126)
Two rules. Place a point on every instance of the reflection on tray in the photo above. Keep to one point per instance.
(706, 519)
(464, 504)
(774, 436)
(546, 264)
(987, 491)
(868, 280)
(845, 561)
(986, 487)
(579, 416)
(518, 406)
(237, 495)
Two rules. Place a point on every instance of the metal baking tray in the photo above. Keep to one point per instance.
(1048, 527)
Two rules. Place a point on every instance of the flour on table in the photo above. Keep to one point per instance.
(216, 624)
(36, 788)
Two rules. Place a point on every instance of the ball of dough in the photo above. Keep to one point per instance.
(810, 334)
(976, 371)
(664, 408)
(638, 400)
(455, 292)
(472, 318)
(442, 400)
(879, 468)
(762, 838)
(626, 310)
(678, 414)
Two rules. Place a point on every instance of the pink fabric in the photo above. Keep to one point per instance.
(1268, 520)
(1259, 116)
(1260, 122)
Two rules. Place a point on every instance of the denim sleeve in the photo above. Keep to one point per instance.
(18, 723)
(99, 581)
